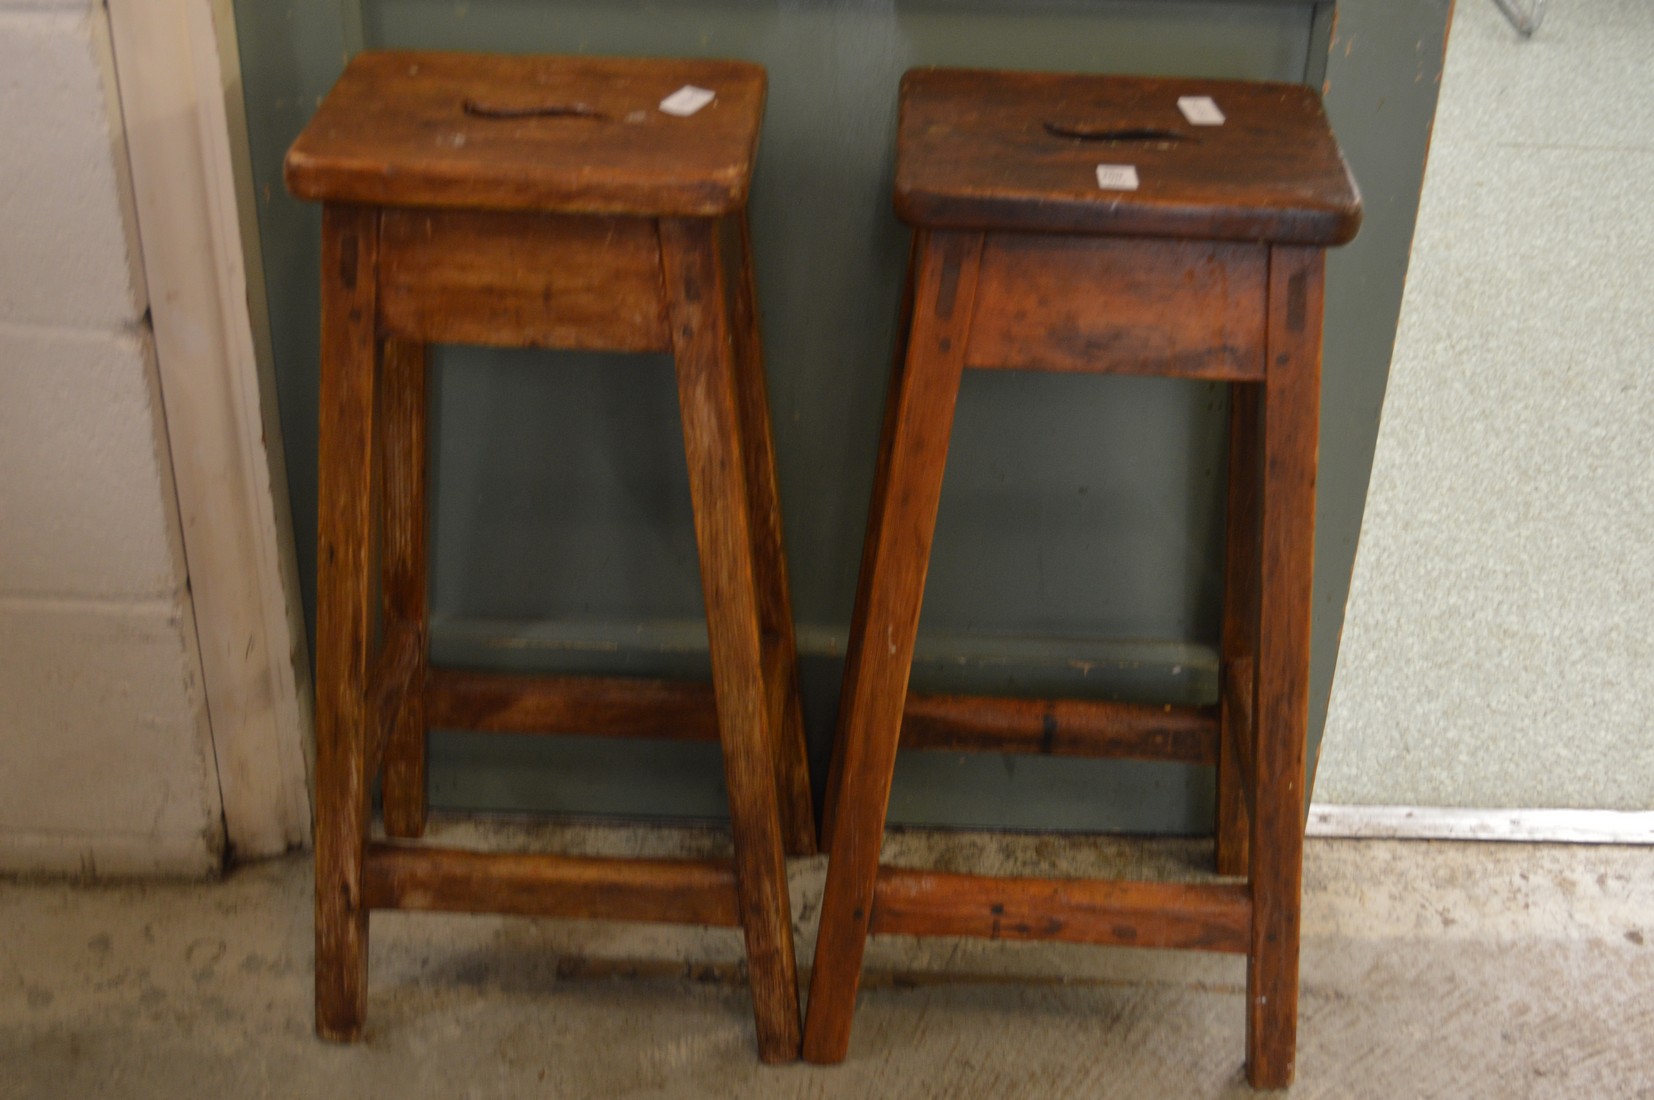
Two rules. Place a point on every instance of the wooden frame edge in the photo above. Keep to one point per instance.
(178, 71)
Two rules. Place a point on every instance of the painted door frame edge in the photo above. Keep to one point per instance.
(179, 74)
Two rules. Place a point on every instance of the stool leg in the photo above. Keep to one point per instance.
(344, 608)
(775, 607)
(699, 299)
(892, 401)
(1291, 413)
(891, 587)
(1240, 629)
(403, 592)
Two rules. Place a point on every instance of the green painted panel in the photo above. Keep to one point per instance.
(1077, 544)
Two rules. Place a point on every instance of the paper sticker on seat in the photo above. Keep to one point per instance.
(687, 100)
(1200, 110)
(1117, 177)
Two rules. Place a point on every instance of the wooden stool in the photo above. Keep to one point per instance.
(1082, 223)
(543, 202)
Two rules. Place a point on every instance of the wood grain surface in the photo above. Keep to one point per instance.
(1060, 727)
(714, 443)
(345, 613)
(1179, 309)
(608, 706)
(1192, 916)
(581, 135)
(390, 683)
(1291, 408)
(527, 202)
(1105, 285)
(522, 280)
(890, 590)
(875, 507)
(1012, 150)
(541, 885)
(1238, 644)
(404, 401)
(769, 557)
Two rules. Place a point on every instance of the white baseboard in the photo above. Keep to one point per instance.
(1445, 823)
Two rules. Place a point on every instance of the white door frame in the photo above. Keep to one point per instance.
(181, 103)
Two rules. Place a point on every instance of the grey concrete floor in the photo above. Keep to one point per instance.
(1429, 969)
(1497, 651)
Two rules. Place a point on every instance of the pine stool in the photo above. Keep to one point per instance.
(542, 202)
(1082, 223)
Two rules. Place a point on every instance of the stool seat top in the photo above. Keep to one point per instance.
(980, 149)
(583, 135)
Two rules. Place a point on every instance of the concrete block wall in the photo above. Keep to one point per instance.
(106, 762)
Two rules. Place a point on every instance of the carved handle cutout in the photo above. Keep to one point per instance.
(547, 110)
(1080, 131)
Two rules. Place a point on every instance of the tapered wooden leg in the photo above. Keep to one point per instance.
(1291, 408)
(892, 402)
(344, 606)
(707, 393)
(891, 587)
(775, 605)
(402, 586)
(1240, 629)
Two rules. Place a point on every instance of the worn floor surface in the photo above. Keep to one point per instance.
(1429, 970)
(1496, 650)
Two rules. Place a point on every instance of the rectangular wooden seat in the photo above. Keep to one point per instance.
(1015, 150)
(573, 135)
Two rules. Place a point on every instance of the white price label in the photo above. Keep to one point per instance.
(1117, 177)
(1200, 110)
(687, 100)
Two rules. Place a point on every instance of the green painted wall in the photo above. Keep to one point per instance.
(1077, 547)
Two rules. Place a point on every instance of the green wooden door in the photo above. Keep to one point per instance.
(1078, 542)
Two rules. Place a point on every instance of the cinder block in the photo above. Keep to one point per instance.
(104, 742)
(68, 253)
(86, 498)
